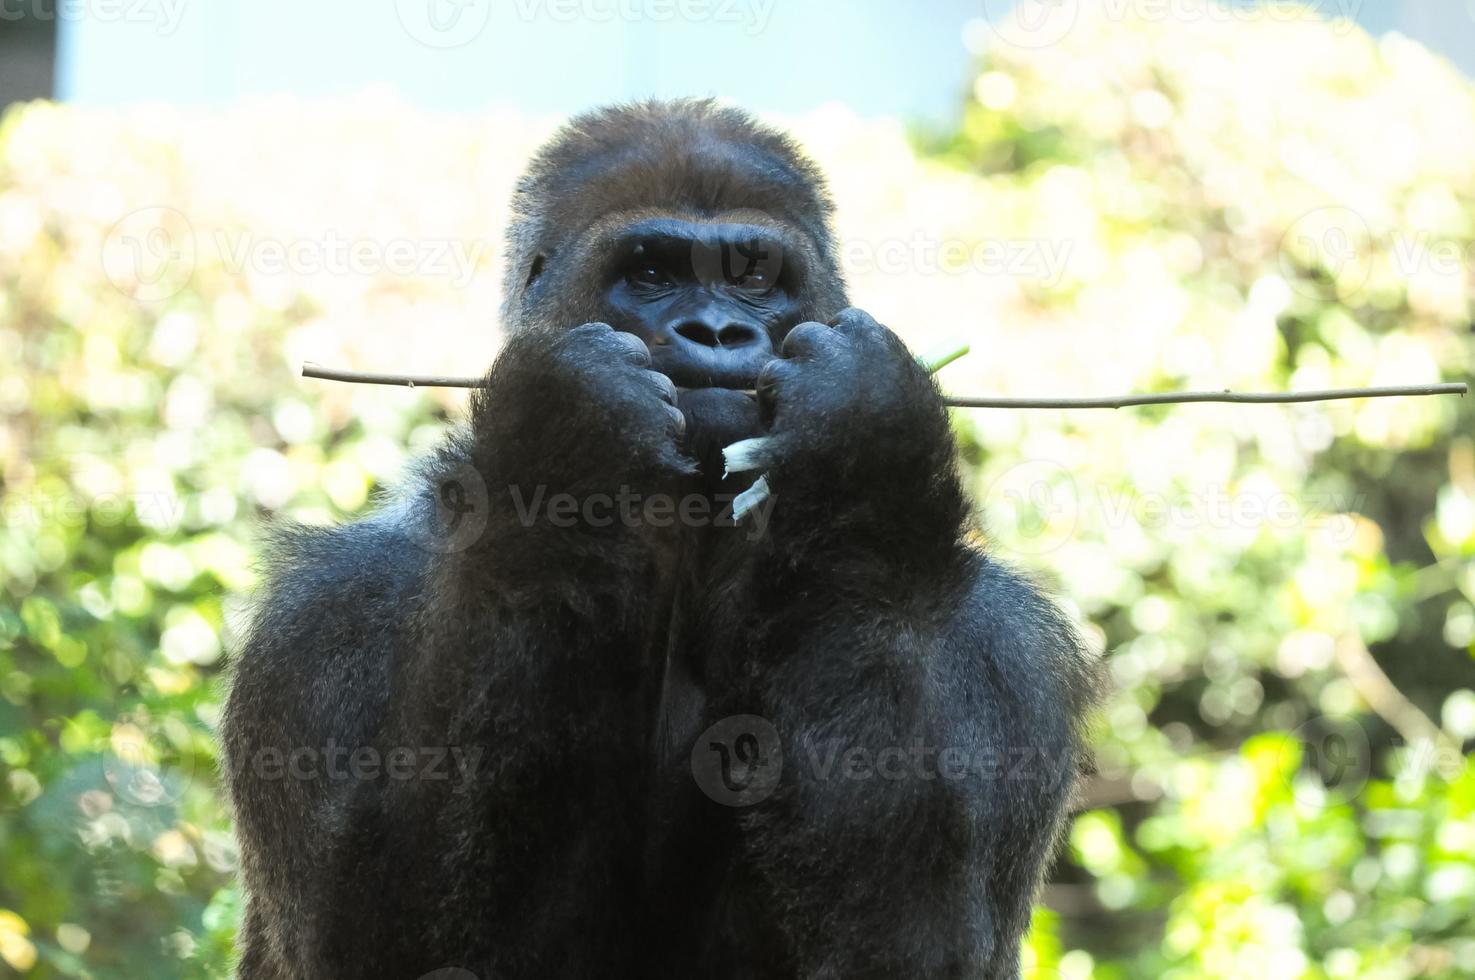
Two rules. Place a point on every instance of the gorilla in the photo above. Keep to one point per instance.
(551, 712)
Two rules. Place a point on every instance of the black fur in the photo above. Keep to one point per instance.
(565, 672)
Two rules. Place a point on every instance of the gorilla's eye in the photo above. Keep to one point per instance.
(757, 280)
(647, 273)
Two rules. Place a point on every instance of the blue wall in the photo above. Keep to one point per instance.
(781, 55)
(877, 56)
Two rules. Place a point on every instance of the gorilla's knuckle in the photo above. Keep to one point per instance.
(630, 347)
(853, 321)
(587, 332)
(771, 377)
(808, 339)
(664, 386)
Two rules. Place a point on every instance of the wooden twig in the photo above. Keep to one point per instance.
(1237, 398)
(310, 370)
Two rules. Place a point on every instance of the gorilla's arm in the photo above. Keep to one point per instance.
(503, 651)
(929, 752)
(927, 700)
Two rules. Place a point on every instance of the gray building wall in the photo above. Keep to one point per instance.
(27, 56)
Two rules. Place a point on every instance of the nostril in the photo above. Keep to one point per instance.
(699, 333)
(737, 335)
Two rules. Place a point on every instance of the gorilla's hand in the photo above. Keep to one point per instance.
(579, 411)
(847, 394)
(857, 426)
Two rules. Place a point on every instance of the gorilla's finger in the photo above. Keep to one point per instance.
(662, 384)
(810, 339)
(767, 386)
(592, 329)
(614, 342)
(678, 420)
(857, 323)
(631, 347)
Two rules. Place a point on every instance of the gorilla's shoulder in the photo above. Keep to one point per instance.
(308, 563)
(1028, 636)
(357, 580)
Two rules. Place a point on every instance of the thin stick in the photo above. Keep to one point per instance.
(311, 370)
(1238, 398)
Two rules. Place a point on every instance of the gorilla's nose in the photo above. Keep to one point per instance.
(711, 347)
(710, 333)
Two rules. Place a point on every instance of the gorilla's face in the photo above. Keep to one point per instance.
(712, 300)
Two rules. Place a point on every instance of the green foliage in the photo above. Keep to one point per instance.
(1255, 204)
(1257, 577)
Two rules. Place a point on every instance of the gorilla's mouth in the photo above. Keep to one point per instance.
(724, 370)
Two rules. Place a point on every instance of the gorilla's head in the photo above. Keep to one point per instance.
(687, 224)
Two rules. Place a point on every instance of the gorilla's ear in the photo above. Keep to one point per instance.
(536, 269)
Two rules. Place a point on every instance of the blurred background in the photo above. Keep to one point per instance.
(1101, 195)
